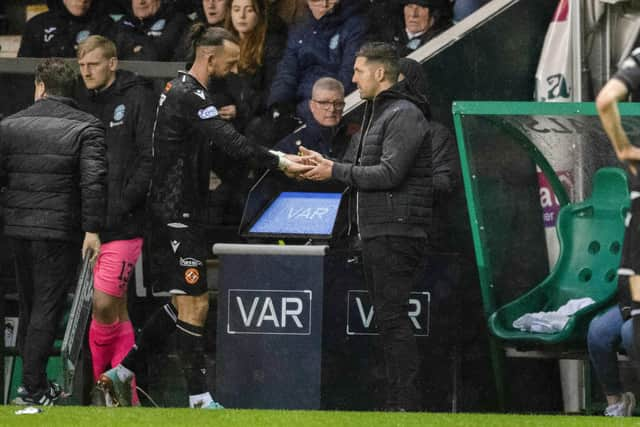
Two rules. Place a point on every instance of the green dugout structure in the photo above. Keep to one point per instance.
(521, 163)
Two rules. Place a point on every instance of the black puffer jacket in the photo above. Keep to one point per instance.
(389, 165)
(126, 109)
(57, 33)
(55, 158)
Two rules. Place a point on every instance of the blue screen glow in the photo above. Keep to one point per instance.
(299, 213)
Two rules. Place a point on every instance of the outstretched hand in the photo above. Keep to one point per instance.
(297, 166)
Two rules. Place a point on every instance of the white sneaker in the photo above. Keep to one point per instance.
(624, 408)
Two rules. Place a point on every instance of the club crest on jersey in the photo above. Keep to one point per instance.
(207, 113)
(333, 43)
(159, 25)
(82, 36)
(118, 113)
(191, 276)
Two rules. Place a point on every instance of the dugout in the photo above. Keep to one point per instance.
(521, 162)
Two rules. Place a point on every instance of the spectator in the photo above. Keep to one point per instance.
(324, 45)
(388, 165)
(213, 14)
(150, 31)
(260, 51)
(125, 103)
(445, 162)
(621, 324)
(326, 133)
(54, 157)
(421, 21)
(58, 32)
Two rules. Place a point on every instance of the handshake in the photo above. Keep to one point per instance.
(308, 164)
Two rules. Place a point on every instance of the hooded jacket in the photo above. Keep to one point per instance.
(57, 33)
(126, 109)
(54, 158)
(388, 164)
(316, 48)
(151, 39)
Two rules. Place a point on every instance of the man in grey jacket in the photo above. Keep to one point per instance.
(388, 166)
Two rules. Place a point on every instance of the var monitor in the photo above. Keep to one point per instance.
(298, 214)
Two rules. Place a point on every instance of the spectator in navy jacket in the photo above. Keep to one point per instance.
(326, 133)
(324, 45)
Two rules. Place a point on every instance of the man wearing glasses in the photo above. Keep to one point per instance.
(325, 133)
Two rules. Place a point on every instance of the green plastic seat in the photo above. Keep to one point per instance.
(590, 235)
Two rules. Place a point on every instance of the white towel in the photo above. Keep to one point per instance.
(549, 322)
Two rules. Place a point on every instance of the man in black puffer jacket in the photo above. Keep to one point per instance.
(126, 104)
(54, 157)
(388, 164)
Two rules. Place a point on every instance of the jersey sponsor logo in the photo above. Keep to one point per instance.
(190, 262)
(207, 113)
(49, 34)
(82, 36)
(191, 276)
(335, 40)
(200, 94)
(118, 112)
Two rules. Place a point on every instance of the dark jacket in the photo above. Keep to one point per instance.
(396, 34)
(187, 128)
(54, 157)
(388, 163)
(150, 39)
(330, 142)
(319, 48)
(126, 109)
(249, 92)
(57, 33)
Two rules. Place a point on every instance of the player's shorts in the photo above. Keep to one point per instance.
(179, 253)
(115, 264)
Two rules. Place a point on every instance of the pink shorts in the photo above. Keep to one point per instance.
(115, 264)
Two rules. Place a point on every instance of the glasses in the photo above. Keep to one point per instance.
(326, 105)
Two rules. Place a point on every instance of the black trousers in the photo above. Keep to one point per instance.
(45, 272)
(391, 267)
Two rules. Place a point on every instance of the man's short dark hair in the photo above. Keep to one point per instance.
(383, 53)
(58, 76)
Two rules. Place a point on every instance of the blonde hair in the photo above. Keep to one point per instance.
(98, 42)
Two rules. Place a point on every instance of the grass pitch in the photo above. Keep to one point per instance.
(95, 417)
